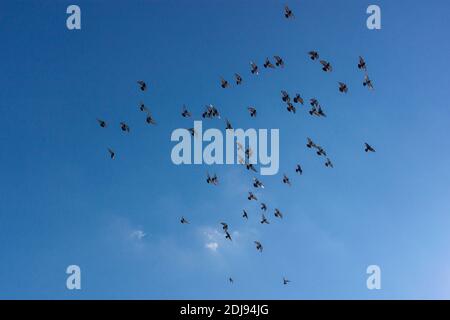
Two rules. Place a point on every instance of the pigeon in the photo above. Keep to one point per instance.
(310, 143)
(245, 215)
(278, 214)
(212, 180)
(279, 61)
(314, 55)
(224, 83)
(101, 123)
(228, 236)
(298, 99)
(142, 85)
(368, 148)
(286, 281)
(257, 183)
(288, 13)
(251, 196)
(142, 107)
(231, 280)
(329, 163)
(367, 82)
(268, 64)
(263, 207)
(254, 68)
(229, 126)
(185, 112)
(362, 64)
(252, 112)
(250, 166)
(343, 87)
(326, 66)
(259, 246)
(192, 131)
(317, 111)
(211, 112)
(248, 152)
(150, 119)
(124, 127)
(184, 221)
(285, 96)
(224, 226)
(238, 78)
(112, 154)
(298, 169)
(290, 107)
(286, 180)
(264, 219)
(320, 151)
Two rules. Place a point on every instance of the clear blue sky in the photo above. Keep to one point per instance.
(62, 201)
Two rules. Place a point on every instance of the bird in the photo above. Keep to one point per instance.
(259, 246)
(250, 166)
(192, 131)
(238, 78)
(228, 236)
(310, 143)
(343, 87)
(231, 280)
(142, 85)
(101, 123)
(248, 152)
(245, 215)
(286, 180)
(251, 196)
(224, 83)
(326, 66)
(298, 169)
(229, 126)
(184, 221)
(257, 183)
(124, 127)
(278, 214)
(286, 281)
(290, 107)
(214, 180)
(185, 112)
(317, 111)
(320, 151)
(279, 61)
(328, 163)
(211, 112)
(362, 64)
(112, 154)
(288, 13)
(142, 107)
(264, 219)
(268, 64)
(367, 82)
(254, 68)
(252, 111)
(285, 96)
(298, 99)
(150, 119)
(314, 55)
(368, 148)
(314, 102)
(263, 206)
(224, 226)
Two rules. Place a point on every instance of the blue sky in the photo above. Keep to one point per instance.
(63, 202)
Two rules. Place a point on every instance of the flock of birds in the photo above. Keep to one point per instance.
(211, 112)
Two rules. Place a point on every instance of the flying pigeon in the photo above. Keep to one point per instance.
(268, 64)
(368, 148)
(150, 119)
(124, 127)
(314, 55)
(252, 112)
(259, 246)
(192, 131)
(142, 85)
(285, 96)
(278, 214)
(245, 215)
(343, 87)
(310, 143)
(224, 226)
(257, 183)
(286, 180)
(184, 221)
(329, 163)
(229, 126)
(228, 236)
(212, 180)
(112, 154)
(263, 207)
(320, 151)
(298, 169)
(238, 78)
(264, 219)
(254, 68)
(101, 123)
(279, 61)
(224, 83)
(290, 107)
(288, 13)
(367, 82)
(231, 280)
(286, 281)
(142, 107)
(251, 196)
(298, 99)
(326, 66)
(362, 64)
(185, 112)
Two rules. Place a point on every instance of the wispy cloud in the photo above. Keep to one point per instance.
(138, 234)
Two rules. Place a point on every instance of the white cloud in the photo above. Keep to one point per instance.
(212, 246)
(138, 234)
